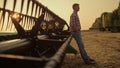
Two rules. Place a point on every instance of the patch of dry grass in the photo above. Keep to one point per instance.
(103, 47)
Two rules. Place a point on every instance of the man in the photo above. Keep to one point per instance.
(75, 29)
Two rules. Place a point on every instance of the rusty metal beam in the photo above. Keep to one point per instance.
(56, 60)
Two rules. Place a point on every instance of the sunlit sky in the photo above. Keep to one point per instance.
(89, 9)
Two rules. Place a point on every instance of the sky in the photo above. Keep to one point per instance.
(89, 9)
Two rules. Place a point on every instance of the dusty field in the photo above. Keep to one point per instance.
(103, 47)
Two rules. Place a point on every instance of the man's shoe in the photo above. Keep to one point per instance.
(90, 62)
(91, 59)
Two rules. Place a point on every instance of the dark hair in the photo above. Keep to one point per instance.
(75, 4)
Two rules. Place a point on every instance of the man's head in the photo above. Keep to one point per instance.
(76, 7)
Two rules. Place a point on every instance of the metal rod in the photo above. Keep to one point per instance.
(8, 21)
(36, 10)
(32, 8)
(14, 5)
(58, 57)
(3, 14)
(22, 4)
(28, 4)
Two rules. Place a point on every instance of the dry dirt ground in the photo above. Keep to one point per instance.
(103, 47)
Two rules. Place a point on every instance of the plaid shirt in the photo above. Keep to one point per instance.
(74, 22)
